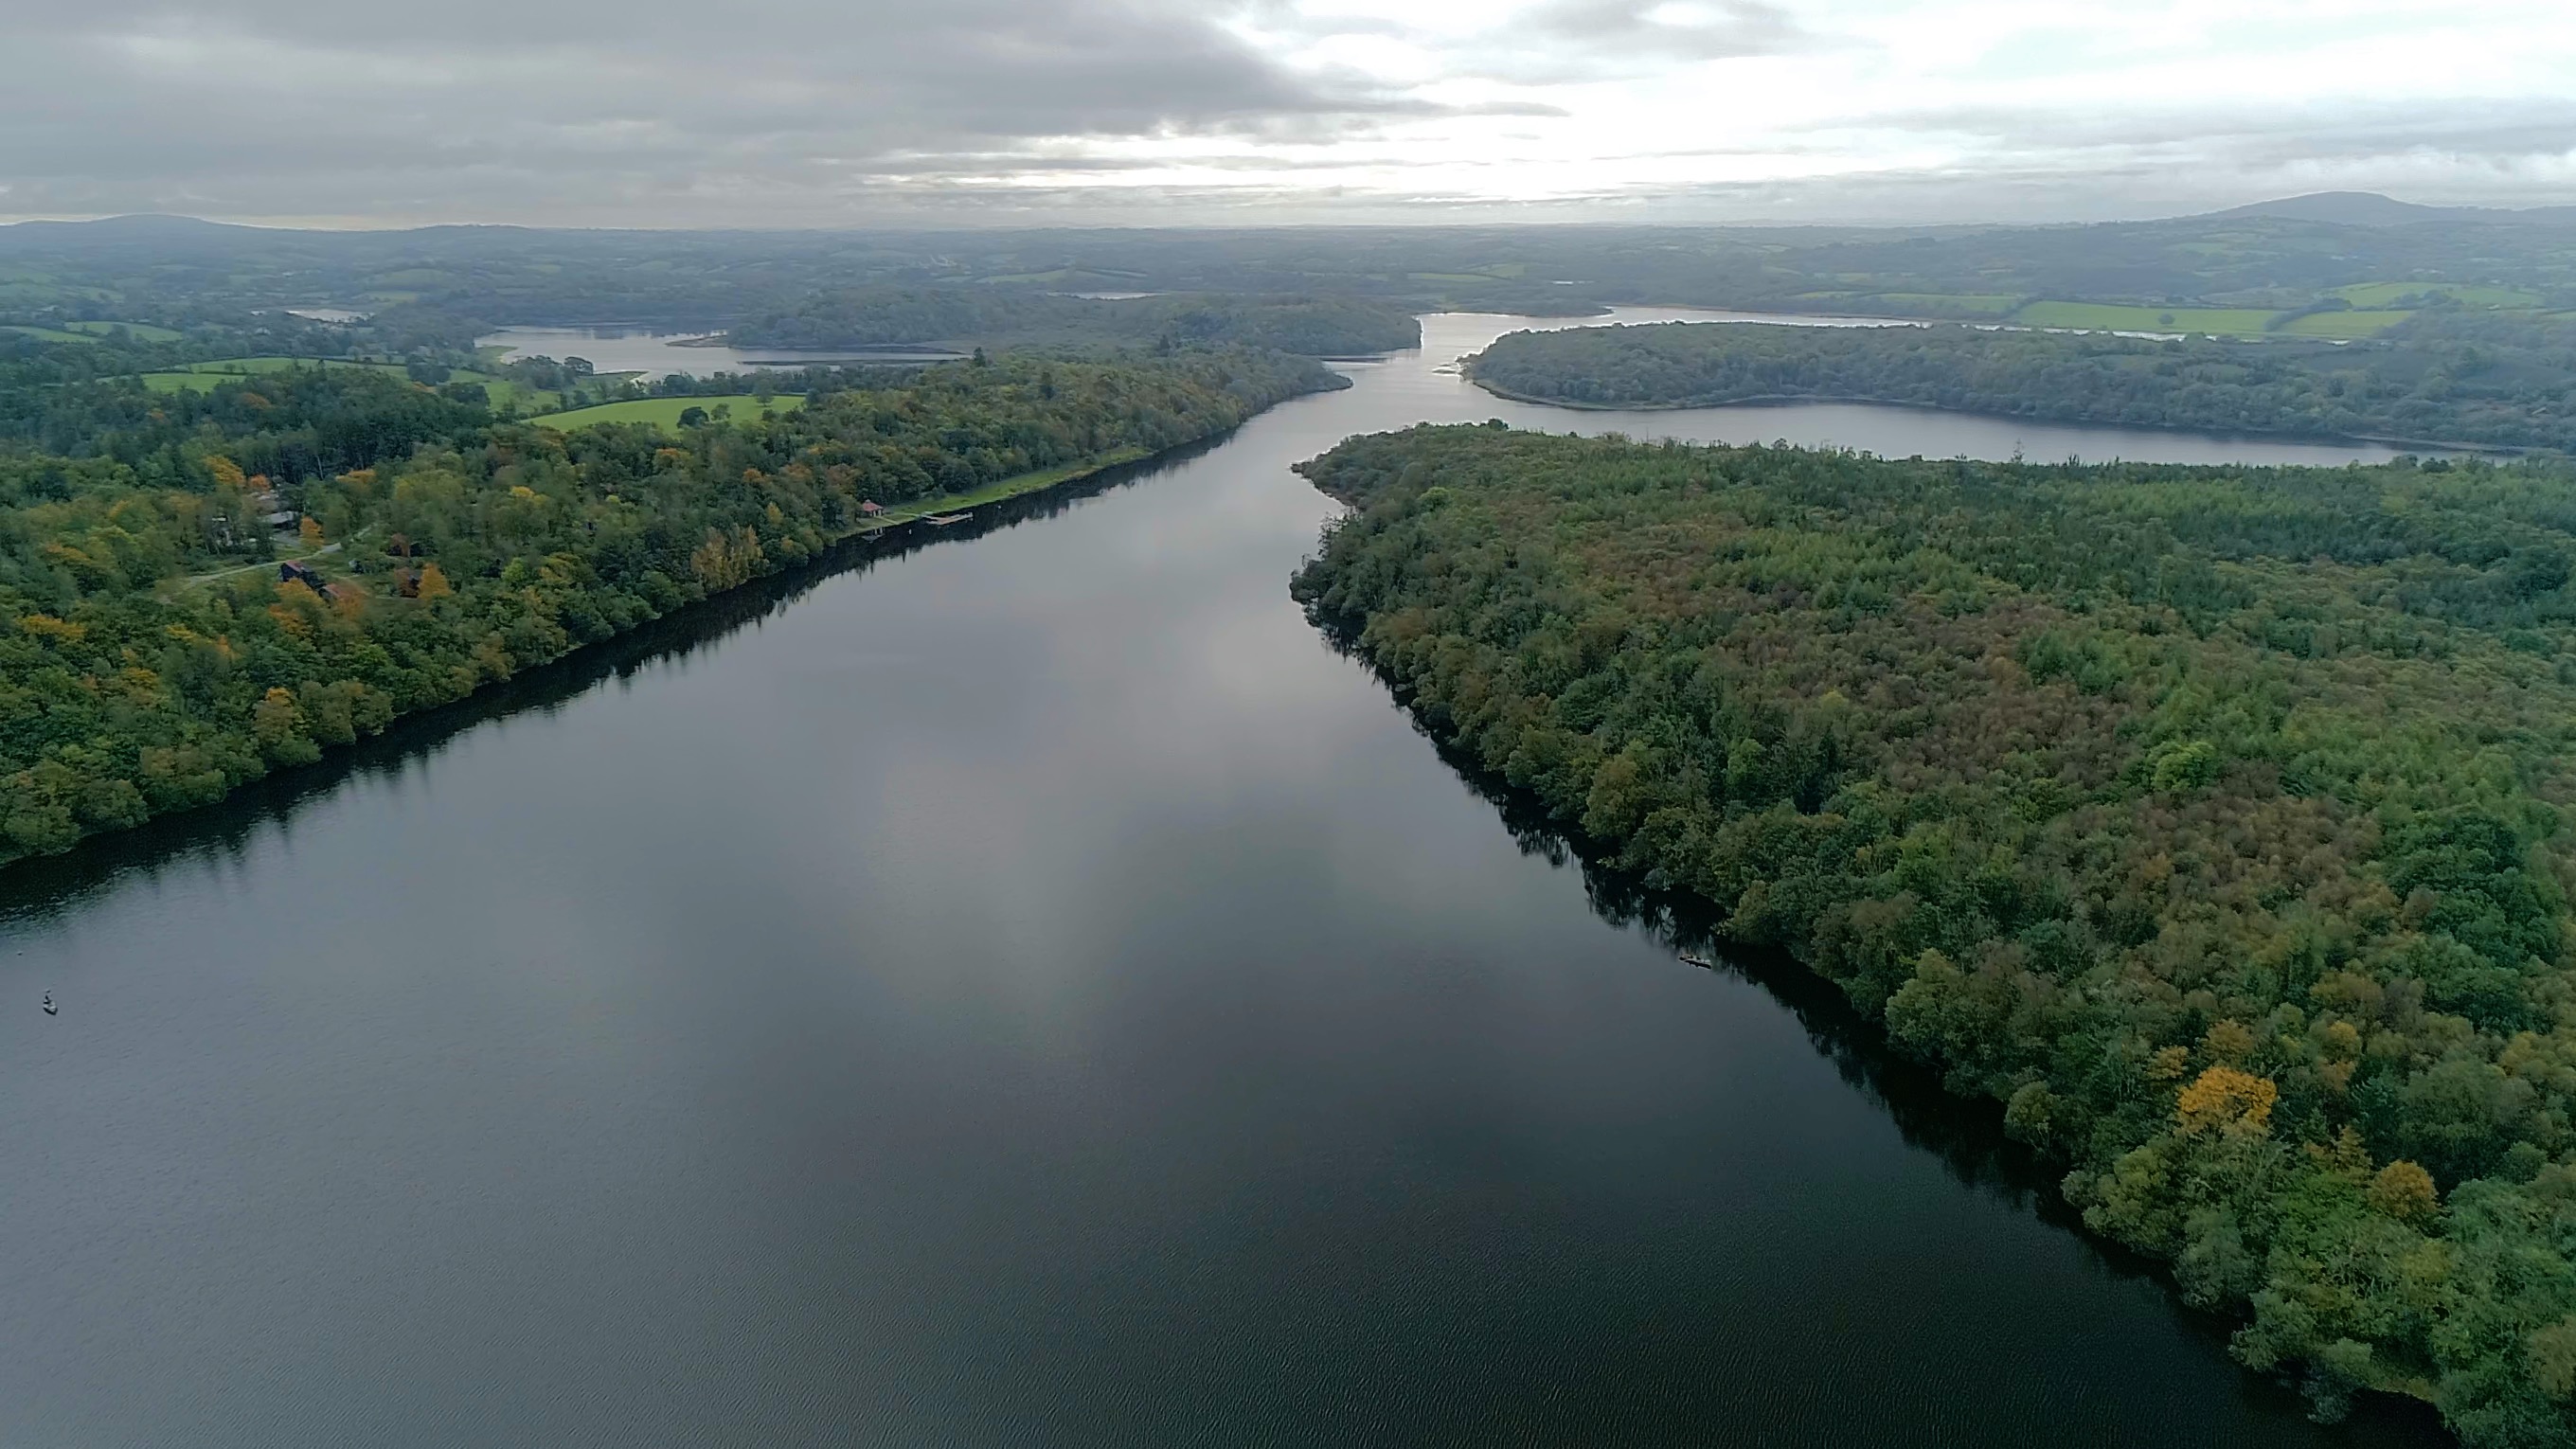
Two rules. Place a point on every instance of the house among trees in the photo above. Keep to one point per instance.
(291, 572)
(870, 508)
(271, 507)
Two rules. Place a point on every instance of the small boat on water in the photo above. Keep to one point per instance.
(942, 520)
(1694, 958)
(50, 1008)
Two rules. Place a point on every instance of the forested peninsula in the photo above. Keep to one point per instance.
(2212, 822)
(2471, 379)
(153, 658)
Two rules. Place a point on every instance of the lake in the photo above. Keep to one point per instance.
(1023, 988)
(660, 354)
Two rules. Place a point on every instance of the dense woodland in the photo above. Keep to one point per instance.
(447, 282)
(2459, 377)
(152, 659)
(2213, 823)
(877, 316)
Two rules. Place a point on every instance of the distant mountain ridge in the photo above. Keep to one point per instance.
(2369, 208)
(2335, 208)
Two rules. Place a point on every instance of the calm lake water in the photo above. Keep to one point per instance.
(1026, 989)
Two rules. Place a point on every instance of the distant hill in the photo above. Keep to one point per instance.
(2369, 208)
(140, 224)
(128, 235)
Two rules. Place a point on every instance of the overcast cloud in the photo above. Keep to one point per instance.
(948, 112)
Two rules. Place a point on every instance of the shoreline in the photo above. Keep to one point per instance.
(1018, 486)
(1694, 920)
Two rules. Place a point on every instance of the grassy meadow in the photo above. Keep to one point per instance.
(2112, 317)
(2357, 323)
(1952, 304)
(2394, 294)
(664, 412)
(142, 331)
(2374, 308)
(205, 376)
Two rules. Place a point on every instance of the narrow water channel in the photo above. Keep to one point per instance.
(1028, 989)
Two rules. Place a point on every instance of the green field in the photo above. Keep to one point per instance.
(244, 366)
(203, 377)
(2108, 317)
(40, 290)
(143, 331)
(1961, 304)
(664, 412)
(189, 381)
(506, 394)
(2383, 294)
(1011, 487)
(2342, 324)
(47, 334)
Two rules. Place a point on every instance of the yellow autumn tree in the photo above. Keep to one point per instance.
(226, 472)
(2227, 1042)
(2404, 1191)
(2228, 1100)
(310, 532)
(724, 562)
(278, 725)
(433, 582)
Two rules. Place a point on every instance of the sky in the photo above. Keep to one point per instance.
(655, 113)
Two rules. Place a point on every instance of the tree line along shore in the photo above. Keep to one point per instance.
(2211, 822)
(162, 643)
(2462, 380)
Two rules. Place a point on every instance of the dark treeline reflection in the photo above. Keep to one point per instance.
(1854, 704)
(163, 652)
(45, 886)
(1965, 1137)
